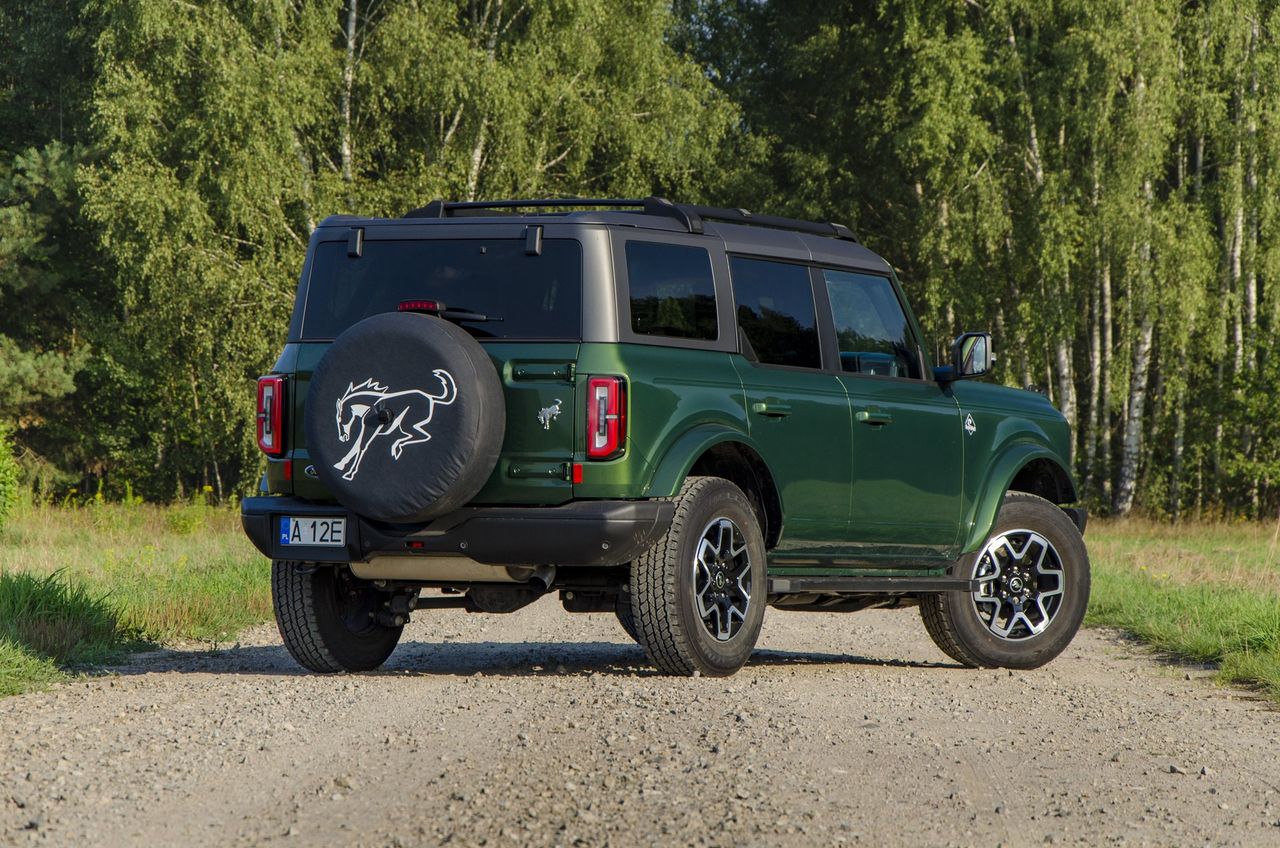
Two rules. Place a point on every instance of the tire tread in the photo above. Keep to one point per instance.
(294, 602)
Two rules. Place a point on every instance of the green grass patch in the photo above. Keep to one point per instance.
(1205, 593)
(79, 585)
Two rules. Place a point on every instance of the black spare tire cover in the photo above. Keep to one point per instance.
(404, 417)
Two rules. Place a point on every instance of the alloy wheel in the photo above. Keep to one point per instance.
(722, 578)
(1020, 584)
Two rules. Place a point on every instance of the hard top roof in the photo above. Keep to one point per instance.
(741, 231)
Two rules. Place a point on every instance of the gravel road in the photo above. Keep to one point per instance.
(548, 729)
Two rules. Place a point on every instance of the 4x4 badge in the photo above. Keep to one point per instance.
(548, 414)
(969, 426)
(379, 412)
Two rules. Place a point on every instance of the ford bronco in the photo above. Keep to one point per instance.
(678, 414)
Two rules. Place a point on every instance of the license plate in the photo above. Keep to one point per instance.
(322, 532)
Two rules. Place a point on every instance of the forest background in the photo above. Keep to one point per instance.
(1092, 180)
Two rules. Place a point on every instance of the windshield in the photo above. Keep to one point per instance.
(521, 296)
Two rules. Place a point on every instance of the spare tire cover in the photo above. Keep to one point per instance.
(404, 418)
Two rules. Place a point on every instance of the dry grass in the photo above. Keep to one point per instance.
(79, 583)
(1206, 592)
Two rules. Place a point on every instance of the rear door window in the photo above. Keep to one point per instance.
(776, 312)
(523, 296)
(671, 291)
(872, 331)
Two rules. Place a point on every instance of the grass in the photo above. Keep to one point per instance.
(1209, 593)
(80, 585)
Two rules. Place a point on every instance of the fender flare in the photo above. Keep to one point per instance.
(670, 472)
(1000, 474)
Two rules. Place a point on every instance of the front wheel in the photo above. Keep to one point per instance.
(328, 618)
(1033, 587)
(698, 595)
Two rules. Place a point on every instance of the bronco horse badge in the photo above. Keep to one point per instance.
(379, 412)
(548, 414)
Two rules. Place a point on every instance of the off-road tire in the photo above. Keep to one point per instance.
(311, 622)
(622, 610)
(663, 609)
(953, 621)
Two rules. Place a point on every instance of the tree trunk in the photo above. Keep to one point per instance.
(1066, 386)
(1132, 445)
(1104, 380)
(348, 82)
(477, 159)
(1095, 382)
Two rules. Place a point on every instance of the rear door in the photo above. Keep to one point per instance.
(906, 429)
(798, 414)
(531, 301)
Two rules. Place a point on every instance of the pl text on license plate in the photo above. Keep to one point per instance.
(328, 532)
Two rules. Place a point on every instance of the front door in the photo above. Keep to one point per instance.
(798, 414)
(906, 430)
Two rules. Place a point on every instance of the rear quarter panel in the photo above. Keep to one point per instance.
(671, 392)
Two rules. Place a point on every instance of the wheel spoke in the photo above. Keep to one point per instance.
(722, 578)
(1021, 585)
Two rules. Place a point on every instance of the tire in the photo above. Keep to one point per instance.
(325, 620)
(404, 417)
(622, 610)
(667, 584)
(1042, 612)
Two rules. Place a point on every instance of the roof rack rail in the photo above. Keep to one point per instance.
(742, 216)
(687, 215)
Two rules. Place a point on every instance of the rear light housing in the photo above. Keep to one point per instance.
(271, 415)
(606, 417)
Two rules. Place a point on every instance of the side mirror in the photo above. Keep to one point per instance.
(971, 356)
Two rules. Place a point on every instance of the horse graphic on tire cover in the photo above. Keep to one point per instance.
(378, 411)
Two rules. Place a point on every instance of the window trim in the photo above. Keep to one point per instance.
(816, 296)
(724, 342)
(820, 283)
(711, 272)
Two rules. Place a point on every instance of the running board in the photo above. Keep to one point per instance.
(869, 585)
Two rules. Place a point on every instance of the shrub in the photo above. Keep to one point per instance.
(8, 476)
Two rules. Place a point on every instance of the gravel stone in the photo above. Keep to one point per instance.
(837, 725)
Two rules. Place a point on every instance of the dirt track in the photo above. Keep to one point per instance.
(545, 728)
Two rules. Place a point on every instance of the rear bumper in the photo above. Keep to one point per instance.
(582, 533)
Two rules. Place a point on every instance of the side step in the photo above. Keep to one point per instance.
(869, 585)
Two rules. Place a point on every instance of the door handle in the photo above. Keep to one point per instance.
(771, 409)
(875, 418)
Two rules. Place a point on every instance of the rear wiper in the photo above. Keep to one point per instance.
(466, 315)
(437, 307)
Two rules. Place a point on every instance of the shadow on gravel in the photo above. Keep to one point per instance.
(462, 659)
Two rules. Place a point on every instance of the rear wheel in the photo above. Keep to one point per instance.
(1033, 587)
(328, 618)
(698, 595)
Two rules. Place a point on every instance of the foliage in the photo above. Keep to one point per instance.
(1088, 178)
(79, 584)
(1206, 593)
(1091, 179)
(9, 477)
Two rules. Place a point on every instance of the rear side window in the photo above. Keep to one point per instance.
(775, 311)
(871, 327)
(525, 297)
(672, 293)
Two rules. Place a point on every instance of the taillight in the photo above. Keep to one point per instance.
(606, 417)
(271, 415)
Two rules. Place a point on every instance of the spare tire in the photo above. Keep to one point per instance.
(404, 417)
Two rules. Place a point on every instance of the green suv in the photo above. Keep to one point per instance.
(677, 414)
